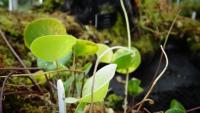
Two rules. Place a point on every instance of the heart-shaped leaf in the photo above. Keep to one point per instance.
(42, 27)
(102, 79)
(85, 48)
(127, 61)
(52, 47)
(108, 56)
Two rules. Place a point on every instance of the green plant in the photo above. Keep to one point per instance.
(176, 107)
(54, 48)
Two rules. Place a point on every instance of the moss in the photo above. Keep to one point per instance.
(28, 104)
(146, 44)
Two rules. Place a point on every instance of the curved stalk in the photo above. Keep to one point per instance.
(127, 23)
(156, 80)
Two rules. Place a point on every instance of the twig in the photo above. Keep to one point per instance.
(193, 109)
(164, 45)
(156, 80)
(13, 51)
(20, 68)
(27, 75)
(50, 88)
(2, 88)
(19, 59)
(145, 109)
(21, 92)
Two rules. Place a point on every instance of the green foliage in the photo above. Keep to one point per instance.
(134, 87)
(80, 107)
(107, 57)
(127, 61)
(114, 101)
(42, 27)
(176, 107)
(102, 79)
(85, 47)
(52, 47)
(49, 66)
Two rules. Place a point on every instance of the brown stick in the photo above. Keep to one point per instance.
(20, 68)
(2, 88)
(19, 59)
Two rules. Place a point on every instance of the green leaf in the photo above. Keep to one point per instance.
(176, 107)
(52, 47)
(127, 61)
(42, 27)
(49, 66)
(71, 100)
(85, 48)
(102, 79)
(173, 110)
(107, 57)
(86, 68)
(80, 107)
(175, 104)
(134, 87)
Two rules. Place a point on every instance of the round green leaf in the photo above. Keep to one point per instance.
(42, 27)
(85, 47)
(102, 79)
(107, 57)
(127, 61)
(52, 47)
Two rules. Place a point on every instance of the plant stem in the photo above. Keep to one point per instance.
(1, 95)
(73, 73)
(127, 23)
(57, 68)
(129, 46)
(126, 92)
(164, 45)
(156, 80)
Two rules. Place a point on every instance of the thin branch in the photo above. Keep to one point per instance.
(13, 51)
(33, 74)
(193, 109)
(21, 93)
(20, 68)
(156, 80)
(2, 89)
(20, 60)
(164, 45)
